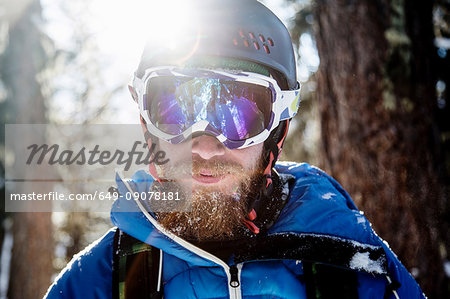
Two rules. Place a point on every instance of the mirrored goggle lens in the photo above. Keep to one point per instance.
(236, 109)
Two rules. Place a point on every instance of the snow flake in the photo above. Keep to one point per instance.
(328, 195)
(360, 219)
(362, 261)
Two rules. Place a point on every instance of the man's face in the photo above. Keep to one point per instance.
(220, 181)
(213, 165)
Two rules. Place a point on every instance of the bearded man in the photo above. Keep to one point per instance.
(247, 227)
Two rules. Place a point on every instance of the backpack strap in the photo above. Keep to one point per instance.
(326, 282)
(391, 288)
(136, 269)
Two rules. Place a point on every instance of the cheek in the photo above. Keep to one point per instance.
(176, 152)
(250, 156)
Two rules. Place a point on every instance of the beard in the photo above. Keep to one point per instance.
(214, 214)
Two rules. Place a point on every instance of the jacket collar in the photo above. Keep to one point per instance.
(318, 209)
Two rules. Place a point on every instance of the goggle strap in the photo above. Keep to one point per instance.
(280, 143)
(275, 152)
(291, 101)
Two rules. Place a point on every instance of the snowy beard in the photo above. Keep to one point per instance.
(214, 214)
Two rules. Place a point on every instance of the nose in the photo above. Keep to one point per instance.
(207, 147)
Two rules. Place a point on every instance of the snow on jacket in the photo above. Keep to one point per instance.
(317, 207)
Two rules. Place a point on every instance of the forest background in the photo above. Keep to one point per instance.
(375, 114)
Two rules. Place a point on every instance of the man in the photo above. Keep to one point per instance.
(220, 107)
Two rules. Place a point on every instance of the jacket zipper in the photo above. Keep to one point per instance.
(234, 292)
(235, 277)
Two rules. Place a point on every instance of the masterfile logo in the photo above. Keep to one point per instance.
(53, 154)
(73, 167)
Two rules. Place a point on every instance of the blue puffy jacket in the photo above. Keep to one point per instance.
(318, 209)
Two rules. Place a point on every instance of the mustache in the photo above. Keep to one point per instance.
(196, 166)
(216, 167)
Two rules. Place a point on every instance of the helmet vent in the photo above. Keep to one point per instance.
(258, 40)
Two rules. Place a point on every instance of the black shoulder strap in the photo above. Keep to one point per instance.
(135, 268)
(324, 282)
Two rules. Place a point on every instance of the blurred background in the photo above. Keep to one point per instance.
(375, 114)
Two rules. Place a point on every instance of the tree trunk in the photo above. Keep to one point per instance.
(24, 58)
(31, 264)
(379, 139)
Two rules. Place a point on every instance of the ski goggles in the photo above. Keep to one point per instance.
(238, 108)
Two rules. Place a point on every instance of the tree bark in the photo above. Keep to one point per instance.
(31, 264)
(24, 58)
(379, 139)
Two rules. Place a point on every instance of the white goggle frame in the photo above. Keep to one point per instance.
(284, 106)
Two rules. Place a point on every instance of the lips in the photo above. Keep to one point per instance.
(205, 176)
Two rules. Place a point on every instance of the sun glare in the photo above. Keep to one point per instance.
(124, 27)
(128, 25)
(136, 21)
(166, 20)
